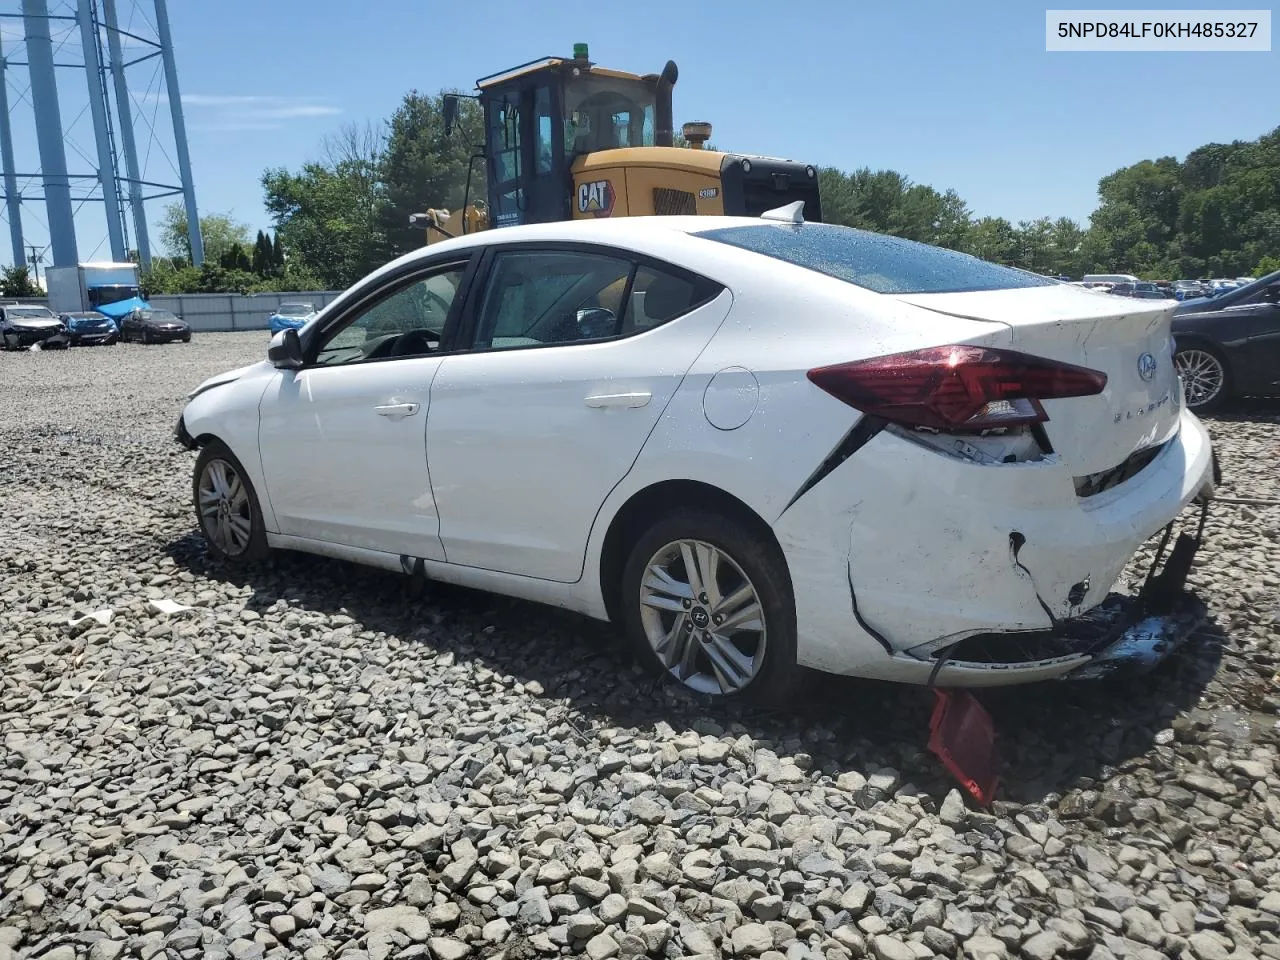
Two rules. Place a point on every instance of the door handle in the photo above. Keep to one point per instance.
(397, 411)
(626, 400)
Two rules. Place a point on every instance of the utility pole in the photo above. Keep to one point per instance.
(35, 259)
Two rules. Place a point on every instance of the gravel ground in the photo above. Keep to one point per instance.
(327, 761)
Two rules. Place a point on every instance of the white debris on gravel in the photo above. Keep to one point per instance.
(320, 760)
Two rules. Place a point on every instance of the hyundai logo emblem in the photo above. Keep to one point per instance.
(1147, 367)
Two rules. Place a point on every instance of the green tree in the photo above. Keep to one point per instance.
(1265, 266)
(219, 231)
(16, 281)
(993, 239)
(329, 216)
(277, 254)
(236, 259)
(421, 168)
(263, 260)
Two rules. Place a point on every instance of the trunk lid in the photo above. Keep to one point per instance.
(1128, 340)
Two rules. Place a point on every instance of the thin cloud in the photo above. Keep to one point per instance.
(234, 111)
(219, 100)
(235, 126)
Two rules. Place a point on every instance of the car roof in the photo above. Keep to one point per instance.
(621, 231)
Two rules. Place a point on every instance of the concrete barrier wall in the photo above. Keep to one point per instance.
(213, 312)
(220, 312)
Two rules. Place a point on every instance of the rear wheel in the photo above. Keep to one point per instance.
(227, 506)
(707, 601)
(1206, 381)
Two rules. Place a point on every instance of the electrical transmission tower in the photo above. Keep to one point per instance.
(111, 50)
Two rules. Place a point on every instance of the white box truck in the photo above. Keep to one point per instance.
(87, 286)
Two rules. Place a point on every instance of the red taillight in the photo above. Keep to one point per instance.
(957, 388)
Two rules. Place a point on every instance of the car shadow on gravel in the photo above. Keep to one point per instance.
(1053, 737)
(1247, 410)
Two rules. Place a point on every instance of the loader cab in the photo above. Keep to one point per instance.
(541, 116)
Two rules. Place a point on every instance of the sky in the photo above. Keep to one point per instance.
(955, 95)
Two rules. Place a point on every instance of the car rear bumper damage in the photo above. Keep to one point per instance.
(1009, 577)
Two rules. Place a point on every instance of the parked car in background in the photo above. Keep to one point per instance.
(630, 418)
(291, 316)
(23, 325)
(1189, 290)
(154, 326)
(89, 328)
(1109, 278)
(1229, 346)
(1139, 291)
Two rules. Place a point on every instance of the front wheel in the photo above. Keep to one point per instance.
(227, 506)
(708, 601)
(1206, 381)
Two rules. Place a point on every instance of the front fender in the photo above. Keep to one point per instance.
(229, 412)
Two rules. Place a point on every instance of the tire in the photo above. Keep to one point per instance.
(764, 670)
(186, 338)
(217, 470)
(147, 338)
(1206, 377)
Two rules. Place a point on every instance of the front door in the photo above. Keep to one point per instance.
(343, 440)
(574, 357)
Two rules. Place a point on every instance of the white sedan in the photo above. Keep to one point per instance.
(759, 447)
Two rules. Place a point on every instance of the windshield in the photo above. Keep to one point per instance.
(602, 113)
(294, 309)
(100, 295)
(30, 312)
(877, 262)
(160, 316)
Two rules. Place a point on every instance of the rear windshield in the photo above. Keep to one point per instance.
(877, 262)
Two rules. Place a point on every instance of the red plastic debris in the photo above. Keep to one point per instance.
(963, 737)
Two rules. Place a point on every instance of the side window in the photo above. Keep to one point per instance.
(541, 298)
(658, 296)
(543, 158)
(1268, 294)
(408, 322)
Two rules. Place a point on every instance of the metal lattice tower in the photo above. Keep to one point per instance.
(110, 52)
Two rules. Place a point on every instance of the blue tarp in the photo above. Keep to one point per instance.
(122, 308)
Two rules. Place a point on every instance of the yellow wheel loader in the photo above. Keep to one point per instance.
(566, 139)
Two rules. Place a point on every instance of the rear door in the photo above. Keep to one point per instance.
(575, 353)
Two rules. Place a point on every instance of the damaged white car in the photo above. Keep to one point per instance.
(758, 446)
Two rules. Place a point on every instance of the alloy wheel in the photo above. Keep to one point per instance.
(1202, 376)
(703, 617)
(225, 510)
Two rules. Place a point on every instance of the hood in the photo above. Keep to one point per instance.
(35, 323)
(77, 322)
(123, 307)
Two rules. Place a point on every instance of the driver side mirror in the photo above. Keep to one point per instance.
(1272, 294)
(285, 352)
(450, 112)
(597, 322)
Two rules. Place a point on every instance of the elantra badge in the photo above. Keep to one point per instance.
(1147, 367)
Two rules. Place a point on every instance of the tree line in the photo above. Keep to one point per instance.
(1214, 214)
